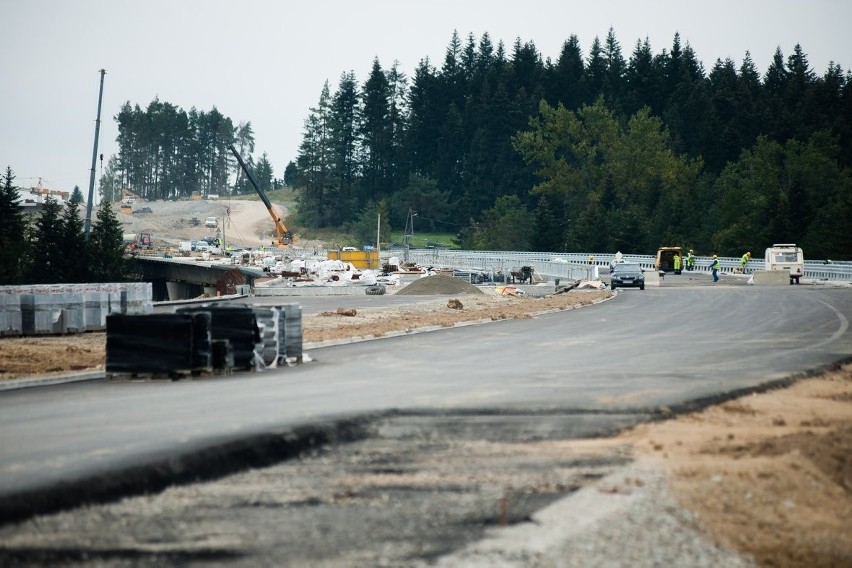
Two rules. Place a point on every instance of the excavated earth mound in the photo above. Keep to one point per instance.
(437, 285)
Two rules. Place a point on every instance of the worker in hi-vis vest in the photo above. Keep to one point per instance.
(714, 268)
(744, 260)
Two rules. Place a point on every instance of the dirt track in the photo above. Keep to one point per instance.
(245, 223)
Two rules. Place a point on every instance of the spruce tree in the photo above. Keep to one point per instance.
(106, 247)
(74, 267)
(12, 230)
(345, 114)
(375, 134)
(47, 242)
(76, 196)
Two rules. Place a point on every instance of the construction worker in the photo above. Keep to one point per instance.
(676, 261)
(690, 260)
(744, 260)
(714, 268)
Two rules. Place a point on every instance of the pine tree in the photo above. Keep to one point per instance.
(344, 164)
(76, 196)
(565, 79)
(375, 134)
(616, 68)
(643, 80)
(106, 247)
(424, 120)
(47, 242)
(263, 174)
(12, 232)
(314, 164)
(74, 262)
(110, 182)
(245, 147)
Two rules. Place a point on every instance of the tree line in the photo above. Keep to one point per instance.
(165, 152)
(588, 152)
(52, 248)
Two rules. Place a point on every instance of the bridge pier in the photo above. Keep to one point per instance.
(184, 290)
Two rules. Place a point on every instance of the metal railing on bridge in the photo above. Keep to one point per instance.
(578, 266)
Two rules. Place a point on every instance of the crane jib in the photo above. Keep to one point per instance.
(251, 178)
(281, 231)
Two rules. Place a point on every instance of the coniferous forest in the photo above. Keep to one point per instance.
(614, 149)
(588, 152)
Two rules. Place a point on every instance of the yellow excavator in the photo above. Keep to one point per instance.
(283, 237)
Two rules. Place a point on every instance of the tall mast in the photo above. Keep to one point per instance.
(88, 223)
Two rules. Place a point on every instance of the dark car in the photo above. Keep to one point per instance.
(627, 274)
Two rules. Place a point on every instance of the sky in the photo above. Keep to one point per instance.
(265, 61)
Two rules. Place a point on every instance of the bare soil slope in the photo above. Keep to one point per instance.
(245, 223)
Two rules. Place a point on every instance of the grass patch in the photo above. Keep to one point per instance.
(444, 240)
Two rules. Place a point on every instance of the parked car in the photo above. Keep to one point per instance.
(142, 210)
(211, 222)
(627, 274)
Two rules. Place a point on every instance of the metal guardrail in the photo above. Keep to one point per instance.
(584, 265)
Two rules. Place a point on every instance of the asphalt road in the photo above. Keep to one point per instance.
(630, 358)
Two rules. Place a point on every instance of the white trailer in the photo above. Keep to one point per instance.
(787, 257)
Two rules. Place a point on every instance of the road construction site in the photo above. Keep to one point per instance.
(473, 459)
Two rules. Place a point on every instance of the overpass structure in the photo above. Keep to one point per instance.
(185, 278)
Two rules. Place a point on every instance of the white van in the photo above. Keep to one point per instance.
(211, 222)
(787, 257)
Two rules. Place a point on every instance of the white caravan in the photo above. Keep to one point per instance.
(787, 257)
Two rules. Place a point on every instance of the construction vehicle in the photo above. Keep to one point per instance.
(145, 240)
(283, 237)
(787, 257)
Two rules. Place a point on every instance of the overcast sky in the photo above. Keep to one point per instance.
(266, 61)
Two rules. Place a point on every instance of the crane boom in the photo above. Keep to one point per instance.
(283, 237)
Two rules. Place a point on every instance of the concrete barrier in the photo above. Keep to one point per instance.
(771, 278)
(652, 277)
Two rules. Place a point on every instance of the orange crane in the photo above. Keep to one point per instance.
(283, 237)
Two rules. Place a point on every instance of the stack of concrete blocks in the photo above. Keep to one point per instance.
(280, 332)
(45, 310)
(270, 331)
(50, 309)
(10, 311)
(292, 349)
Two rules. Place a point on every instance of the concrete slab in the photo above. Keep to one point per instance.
(771, 278)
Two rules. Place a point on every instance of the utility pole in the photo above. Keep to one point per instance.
(88, 223)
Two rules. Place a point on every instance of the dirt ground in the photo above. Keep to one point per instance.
(769, 475)
(244, 223)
